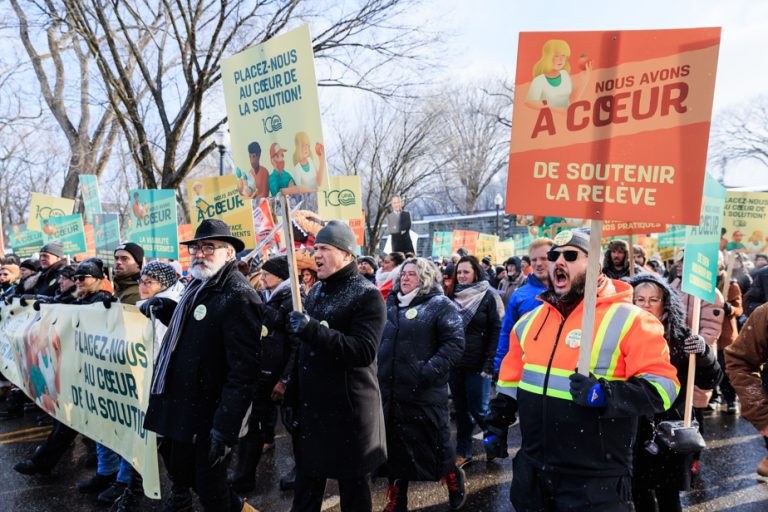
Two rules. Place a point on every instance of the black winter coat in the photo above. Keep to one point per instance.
(278, 351)
(47, 281)
(758, 292)
(421, 343)
(667, 469)
(209, 383)
(481, 337)
(335, 391)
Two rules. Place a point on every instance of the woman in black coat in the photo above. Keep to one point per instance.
(480, 310)
(423, 339)
(660, 477)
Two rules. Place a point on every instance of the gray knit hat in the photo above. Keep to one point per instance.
(55, 247)
(572, 238)
(161, 272)
(338, 234)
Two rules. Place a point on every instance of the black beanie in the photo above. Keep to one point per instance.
(93, 267)
(32, 265)
(277, 266)
(134, 249)
(338, 234)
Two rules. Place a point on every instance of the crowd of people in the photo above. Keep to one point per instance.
(370, 364)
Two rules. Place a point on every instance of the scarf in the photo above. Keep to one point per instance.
(269, 294)
(468, 298)
(176, 326)
(405, 300)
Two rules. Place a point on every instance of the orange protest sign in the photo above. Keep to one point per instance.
(619, 133)
(617, 228)
(464, 240)
(90, 244)
(185, 233)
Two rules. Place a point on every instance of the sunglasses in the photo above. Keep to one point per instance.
(81, 277)
(570, 256)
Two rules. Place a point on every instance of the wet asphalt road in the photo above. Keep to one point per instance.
(728, 481)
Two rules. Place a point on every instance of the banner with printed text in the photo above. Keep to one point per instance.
(185, 233)
(106, 234)
(522, 242)
(25, 242)
(68, 230)
(504, 251)
(89, 190)
(746, 222)
(42, 206)
(90, 368)
(674, 236)
(358, 228)
(341, 199)
(466, 240)
(592, 104)
(486, 246)
(273, 113)
(702, 244)
(152, 222)
(90, 243)
(219, 198)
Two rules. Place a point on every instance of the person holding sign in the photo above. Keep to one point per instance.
(203, 379)
(333, 403)
(660, 474)
(577, 431)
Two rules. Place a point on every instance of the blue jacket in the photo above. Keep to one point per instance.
(522, 301)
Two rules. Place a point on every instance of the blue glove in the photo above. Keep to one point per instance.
(297, 321)
(587, 391)
(495, 443)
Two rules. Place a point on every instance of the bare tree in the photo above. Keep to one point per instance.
(390, 152)
(473, 145)
(740, 133)
(169, 131)
(90, 141)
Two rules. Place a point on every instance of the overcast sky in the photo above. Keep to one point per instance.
(482, 37)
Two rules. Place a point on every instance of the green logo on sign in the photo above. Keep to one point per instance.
(343, 197)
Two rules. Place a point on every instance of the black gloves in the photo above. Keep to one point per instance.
(218, 448)
(587, 391)
(162, 307)
(728, 309)
(41, 299)
(108, 301)
(297, 321)
(495, 443)
(694, 344)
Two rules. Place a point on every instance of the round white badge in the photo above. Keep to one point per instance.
(411, 313)
(200, 312)
(563, 237)
(264, 331)
(324, 323)
(573, 339)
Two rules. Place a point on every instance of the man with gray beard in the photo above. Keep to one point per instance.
(205, 372)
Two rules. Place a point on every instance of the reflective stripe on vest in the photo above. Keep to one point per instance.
(666, 388)
(559, 384)
(524, 324)
(509, 387)
(614, 326)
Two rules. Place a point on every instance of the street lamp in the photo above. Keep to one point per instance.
(498, 201)
(221, 137)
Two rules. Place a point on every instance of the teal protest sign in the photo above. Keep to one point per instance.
(702, 244)
(25, 242)
(152, 223)
(106, 234)
(441, 243)
(89, 190)
(674, 236)
(68, 230)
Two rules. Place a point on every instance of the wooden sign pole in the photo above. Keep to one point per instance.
(590, 297)
(728, 274)
(631, 255)
(292, 270)
(695, 318)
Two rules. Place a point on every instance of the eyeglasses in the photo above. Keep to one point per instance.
(570, 256)
(409, 274)
(146, 282)
(652, 301)
(207, 249)
(81, 277)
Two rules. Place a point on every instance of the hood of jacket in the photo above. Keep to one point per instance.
(675, 327)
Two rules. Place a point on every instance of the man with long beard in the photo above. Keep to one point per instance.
(203, 379)
(577, 431)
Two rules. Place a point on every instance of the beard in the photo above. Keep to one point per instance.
(204, 270)
(565, 302)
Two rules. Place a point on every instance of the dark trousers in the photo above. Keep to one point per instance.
(355, 494)
(57, 443)
(725, 385)
(534, 490)
(188, 466)
(667, 500)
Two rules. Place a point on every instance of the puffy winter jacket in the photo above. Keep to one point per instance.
(524, 299)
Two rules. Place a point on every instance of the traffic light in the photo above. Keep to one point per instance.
(506, 227)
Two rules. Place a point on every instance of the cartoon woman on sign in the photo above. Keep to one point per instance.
(307, 175)
(552, 84)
